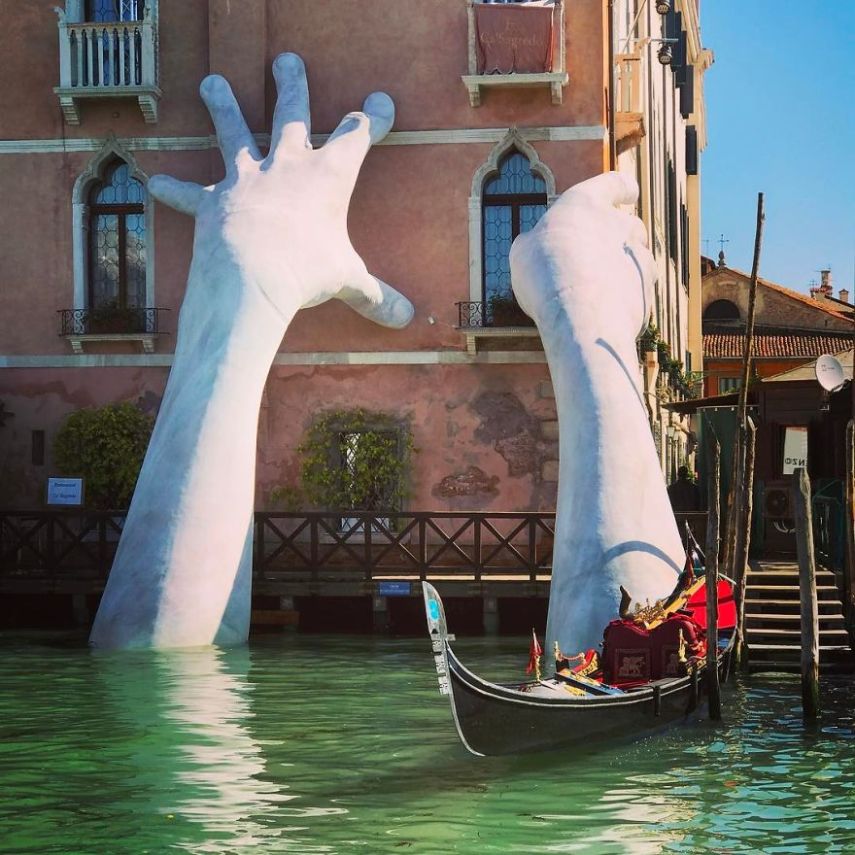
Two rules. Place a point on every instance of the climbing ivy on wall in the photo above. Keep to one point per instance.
(106, 447)
(356, 459)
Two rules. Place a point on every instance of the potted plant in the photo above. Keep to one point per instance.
(664, 353)
(648, 340)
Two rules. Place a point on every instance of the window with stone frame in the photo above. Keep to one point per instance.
(512, 201)
(117, 241)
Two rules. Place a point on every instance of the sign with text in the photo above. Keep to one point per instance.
(795, 449)
(394, 589)
(65, 491)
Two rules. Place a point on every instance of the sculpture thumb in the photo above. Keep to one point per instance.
(377, 301)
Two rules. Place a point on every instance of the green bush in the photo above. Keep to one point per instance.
(368, 474)
(105, 447)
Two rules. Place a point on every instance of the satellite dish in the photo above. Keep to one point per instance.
(829, 373)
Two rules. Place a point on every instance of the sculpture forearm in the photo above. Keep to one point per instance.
(192, 508)
(614, 525)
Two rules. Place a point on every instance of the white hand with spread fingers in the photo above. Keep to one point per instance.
(271, 238)
(282, 219)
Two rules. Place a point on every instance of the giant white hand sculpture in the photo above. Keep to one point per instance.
(271, 238)
(585, 276)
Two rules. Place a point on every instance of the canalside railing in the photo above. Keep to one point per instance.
(411, 545)
(71, 545)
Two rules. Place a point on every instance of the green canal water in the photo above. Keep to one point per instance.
(343, 745)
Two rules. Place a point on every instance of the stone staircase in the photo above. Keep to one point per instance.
(773, 623)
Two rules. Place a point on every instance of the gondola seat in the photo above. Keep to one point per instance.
(634, 655)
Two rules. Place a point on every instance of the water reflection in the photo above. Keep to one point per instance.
(343, 745)
(194, 753)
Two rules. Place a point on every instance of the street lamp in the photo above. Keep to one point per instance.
(665, 54)
(663, 7)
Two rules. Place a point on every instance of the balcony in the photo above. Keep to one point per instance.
(80, 326)
(110, 59)
(516, 45)
(628, 101)
(496, 320)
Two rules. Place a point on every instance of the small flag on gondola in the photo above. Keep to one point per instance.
(534, 654)
(689, 568)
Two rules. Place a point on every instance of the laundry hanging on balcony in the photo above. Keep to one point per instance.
(514, 38)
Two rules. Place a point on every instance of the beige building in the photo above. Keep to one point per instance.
(660, 134)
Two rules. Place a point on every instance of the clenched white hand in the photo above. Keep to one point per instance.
(585, 275)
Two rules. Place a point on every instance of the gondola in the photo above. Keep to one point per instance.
(569, 708)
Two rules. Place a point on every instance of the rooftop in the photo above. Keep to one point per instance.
(773, 343)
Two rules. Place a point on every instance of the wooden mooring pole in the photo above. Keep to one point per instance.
(743, 544)
(849, 522)
(736, 500)
(713, 685)
(807, 594)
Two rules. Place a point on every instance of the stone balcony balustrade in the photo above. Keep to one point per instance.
(107, 59)
(555, 77)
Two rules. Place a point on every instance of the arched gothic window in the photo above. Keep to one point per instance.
(117, 240)
(512, 201)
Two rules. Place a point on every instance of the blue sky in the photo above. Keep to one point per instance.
(780, 102)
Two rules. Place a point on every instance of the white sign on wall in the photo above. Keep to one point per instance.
(795, 449)
(65, 491)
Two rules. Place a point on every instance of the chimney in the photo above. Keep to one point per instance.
(844, 295)
(825, 283)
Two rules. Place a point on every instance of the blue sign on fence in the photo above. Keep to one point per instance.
(393, 589)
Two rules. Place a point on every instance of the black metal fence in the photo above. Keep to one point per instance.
(130, 320)
(505, 313)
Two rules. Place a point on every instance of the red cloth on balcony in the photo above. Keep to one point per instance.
(513, 38)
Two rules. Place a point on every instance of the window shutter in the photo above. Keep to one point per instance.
(691, 150)
(687, 93)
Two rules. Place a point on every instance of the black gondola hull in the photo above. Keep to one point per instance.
(496, 719)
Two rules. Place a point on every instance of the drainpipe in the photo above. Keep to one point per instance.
(612, 140)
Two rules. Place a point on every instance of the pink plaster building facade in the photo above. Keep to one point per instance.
(107, 96)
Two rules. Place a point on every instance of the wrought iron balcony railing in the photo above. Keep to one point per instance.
(113, 321)
(478, 315)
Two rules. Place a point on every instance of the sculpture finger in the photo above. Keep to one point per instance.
(291, 119)
(646, 264)
(632, 227)
(233, 135)
(607, 190)
(184, 196)
(357, 132)
(377, 301)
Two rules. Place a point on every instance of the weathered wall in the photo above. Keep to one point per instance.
(486, 437)
(37, 399)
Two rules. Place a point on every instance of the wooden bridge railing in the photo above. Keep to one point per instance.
(75, 545)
